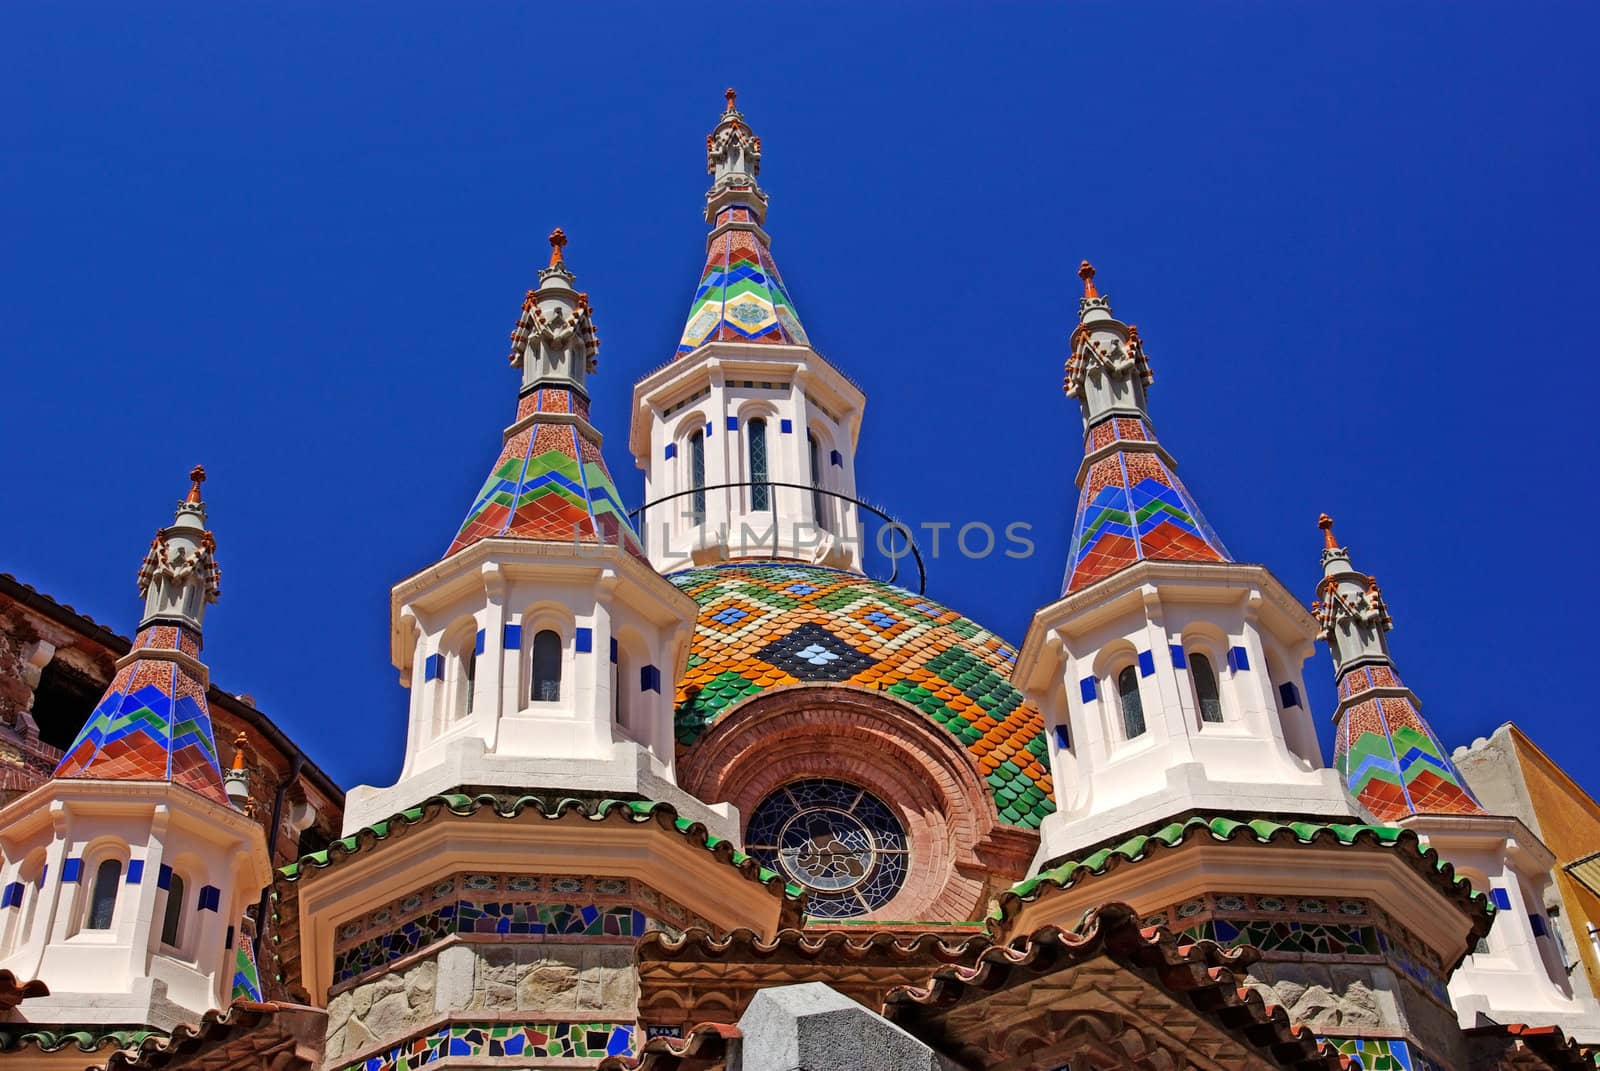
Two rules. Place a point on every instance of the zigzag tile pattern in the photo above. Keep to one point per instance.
(550, 482)
(771, 624)
(152, 724)
(1134, 508)
(1391, 761)
(741, 296)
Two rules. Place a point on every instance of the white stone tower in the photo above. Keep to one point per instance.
(1169, 674)
(542, 651)
(748, 437)
(125, 877)
(1395, 768)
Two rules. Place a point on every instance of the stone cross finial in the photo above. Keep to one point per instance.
(730, 94)
(558, 238)
(1086, 273)
(1325, 522)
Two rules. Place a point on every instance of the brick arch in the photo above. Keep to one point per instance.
(961, 854)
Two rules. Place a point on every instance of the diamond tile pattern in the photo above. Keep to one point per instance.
(1390, 760)
(1133, 507)
(741, 297)
(152, 724)
(770, 624)
(550, 482)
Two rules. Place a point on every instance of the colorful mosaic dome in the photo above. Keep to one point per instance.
(771, 624)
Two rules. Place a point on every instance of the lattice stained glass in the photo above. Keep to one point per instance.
(838, 841)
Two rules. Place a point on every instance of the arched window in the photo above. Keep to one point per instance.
(819, 501)
(546, 667)
(697, 476)
(760, 493)
(172, 919)
(103, 897)
(1205, 687)
(1132, 708)
(469, 675)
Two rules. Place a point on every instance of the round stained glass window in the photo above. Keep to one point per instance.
(838, 841)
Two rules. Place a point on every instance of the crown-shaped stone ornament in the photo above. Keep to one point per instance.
(179, 576)
(554, 341)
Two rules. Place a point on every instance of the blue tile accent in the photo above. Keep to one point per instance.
(650, 679)
(12, 897)
(1179, 659)
(210, 898)
(708, 429)
(71, 870)
(733, 423)
(1063, 740)
(585, 640)
(1501, 898)
(1147, 663)
(513, 637)
(786, 427)
(836, 458)
(613, 650)
(135, 871)
(1539, 928)
(164, 877)
(1086, 689)
(433, 667)
(1238, 660)
(477, 642)
(671, 451)
(229, 942)
(1289, 694)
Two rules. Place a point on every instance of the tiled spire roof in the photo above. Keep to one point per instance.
(551, 481)
(1390, 759)
(1131, 504)
(153, 723)
(741, 296)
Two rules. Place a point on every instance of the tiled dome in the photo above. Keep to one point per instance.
(771, 624)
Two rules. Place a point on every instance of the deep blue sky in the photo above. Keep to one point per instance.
(289, 241)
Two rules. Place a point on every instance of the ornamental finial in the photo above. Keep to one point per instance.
(1086, 273)
(1325, 522)
(239, 743)
(730, 94)
(197, 476)
(558, 238)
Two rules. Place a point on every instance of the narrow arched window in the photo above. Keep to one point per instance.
(760, 493)
(469, 675)
(697, 476)
(819, 504)
(172, 918)
(103, 897)
(1132, 708)
(1205, 687)
(546, 667)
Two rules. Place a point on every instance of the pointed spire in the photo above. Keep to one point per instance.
(153, 723)
(1392, 762)
(551, 482)
(1131, 506)
(741, 296)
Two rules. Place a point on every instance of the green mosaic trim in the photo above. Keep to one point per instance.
(1262, 831)
(524, 1041)
(85, 1040)
(595, 811)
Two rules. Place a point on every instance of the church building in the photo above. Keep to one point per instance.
(685, 788)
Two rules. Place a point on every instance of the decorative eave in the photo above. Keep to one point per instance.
(1218, 830)
(14, 992)
(18, 1038)
(1532, 1048)
(793, 947)
(1086, 609)
(801, 365)
(285, 933)
(1201, 975)
(703, 1048)
(246, 1034)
